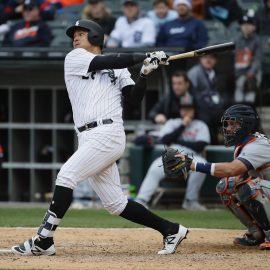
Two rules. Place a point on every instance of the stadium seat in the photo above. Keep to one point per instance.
(217, 32)
(60, 39)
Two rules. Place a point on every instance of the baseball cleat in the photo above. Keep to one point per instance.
(265, 245)
(172, 241)
(247, 240)
(34, 247)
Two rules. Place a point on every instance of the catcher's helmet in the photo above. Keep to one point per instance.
(248, 119)
(95, 31)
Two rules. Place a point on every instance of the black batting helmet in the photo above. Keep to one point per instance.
(248, 119)
(95, 31)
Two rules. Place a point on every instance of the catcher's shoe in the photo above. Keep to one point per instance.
(247, 240)
(35, 247)
(265, 245)
(172, 241)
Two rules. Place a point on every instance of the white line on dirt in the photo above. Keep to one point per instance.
(5, 250)
(74, 228)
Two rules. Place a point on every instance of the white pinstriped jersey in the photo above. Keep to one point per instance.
(96, 95)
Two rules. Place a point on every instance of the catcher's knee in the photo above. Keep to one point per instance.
(116, 207)
(226, 186)
(245, 193)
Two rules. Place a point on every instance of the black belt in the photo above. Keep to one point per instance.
(94, 124)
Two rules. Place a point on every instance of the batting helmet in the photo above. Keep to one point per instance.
(248, 119)
(95, 31)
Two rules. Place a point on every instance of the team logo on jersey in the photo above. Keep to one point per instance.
(111, 75)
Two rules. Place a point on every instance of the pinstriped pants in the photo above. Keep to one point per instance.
(95, 160)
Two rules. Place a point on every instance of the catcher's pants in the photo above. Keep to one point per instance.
(95, 160)
(156, 173)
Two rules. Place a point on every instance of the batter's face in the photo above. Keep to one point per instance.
(179, 85)
(80, 40)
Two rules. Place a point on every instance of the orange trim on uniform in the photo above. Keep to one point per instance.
(239, 147)
(258, 192)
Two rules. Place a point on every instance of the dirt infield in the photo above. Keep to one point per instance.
(134, 249)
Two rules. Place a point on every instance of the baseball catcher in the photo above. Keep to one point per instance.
(244, 186)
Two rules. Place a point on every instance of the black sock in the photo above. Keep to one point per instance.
(61, 201)
(135, 212)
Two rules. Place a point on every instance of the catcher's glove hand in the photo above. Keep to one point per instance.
(175, 167)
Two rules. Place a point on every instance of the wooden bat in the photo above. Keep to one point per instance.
(207, 50)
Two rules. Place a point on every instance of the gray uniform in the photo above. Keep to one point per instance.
(249, 200)
(256, 155)
(196, 131)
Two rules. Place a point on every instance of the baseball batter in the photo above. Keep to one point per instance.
(245, 184)
(95, 84)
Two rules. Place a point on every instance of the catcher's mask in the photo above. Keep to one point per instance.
(237, 122)
(95, 31)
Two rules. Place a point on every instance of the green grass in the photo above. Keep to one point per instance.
(20, 217)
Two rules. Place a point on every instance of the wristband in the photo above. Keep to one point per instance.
(208, 168)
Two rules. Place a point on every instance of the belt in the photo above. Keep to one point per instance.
(94, 124)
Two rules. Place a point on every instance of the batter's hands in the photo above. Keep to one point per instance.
(161, 55)
(149, 65)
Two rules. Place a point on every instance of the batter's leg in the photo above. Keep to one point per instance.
(108, 187)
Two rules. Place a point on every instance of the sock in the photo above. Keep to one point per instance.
(62, 198)
(61, 201)
(137, 213)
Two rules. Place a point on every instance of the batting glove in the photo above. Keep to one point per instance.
(161, 55)
(149, 65)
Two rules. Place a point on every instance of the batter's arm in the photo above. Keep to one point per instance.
(134, 93)
(116, 61)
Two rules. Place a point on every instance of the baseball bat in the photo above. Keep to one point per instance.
(203, 51)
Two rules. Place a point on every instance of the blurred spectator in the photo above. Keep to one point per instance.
(161, 13)
(186, 134)
(205, 86)
(132, 29)
(1, 155)
(84, 196)
(168, 105)
(13, 9)
(184, 32)
(66, 3)
(97, 11)
(226, 11)
(247, 60)
(198, 9)
(263, 18)
(31, 31)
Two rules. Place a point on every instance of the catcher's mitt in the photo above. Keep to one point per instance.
(175, 167)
